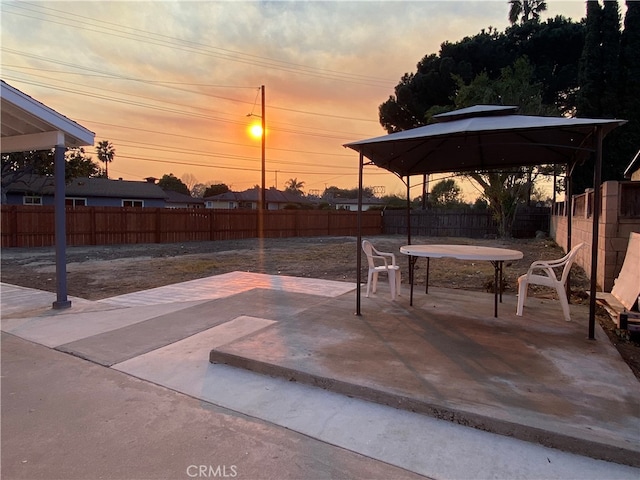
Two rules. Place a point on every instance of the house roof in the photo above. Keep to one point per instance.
(89, 187)
(177, 197)
(252, 195)
(27, 124)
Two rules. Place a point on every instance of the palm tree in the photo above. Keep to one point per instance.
(294, 186)
(106, 152)
(528, 9)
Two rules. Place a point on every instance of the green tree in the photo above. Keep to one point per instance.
(216, 189)
(629, 75)
(79, 164)
(446, 193)
(19, 166)
(608, 89)
(106, 152)
(294, 186)
(432, 88)
(526, 10)
(173, 183)
(505, 191)
(335, 192)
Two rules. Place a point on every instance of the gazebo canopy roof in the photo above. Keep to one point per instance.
(484, 137)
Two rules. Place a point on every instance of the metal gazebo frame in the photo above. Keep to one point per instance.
(490, 137)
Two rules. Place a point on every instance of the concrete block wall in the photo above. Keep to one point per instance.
(613, 236)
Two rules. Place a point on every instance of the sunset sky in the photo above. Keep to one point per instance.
(170, 84)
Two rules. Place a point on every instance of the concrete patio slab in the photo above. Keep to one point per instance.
(415, 442)
(534, 377)
(537, 378)
(136, 338)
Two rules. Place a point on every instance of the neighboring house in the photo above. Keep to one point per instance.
(89, 192)
(249, 200)
(351, 204)
(181, 200)
(632, 172)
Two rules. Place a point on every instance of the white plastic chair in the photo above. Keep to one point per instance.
(542, 272)
(375, 267)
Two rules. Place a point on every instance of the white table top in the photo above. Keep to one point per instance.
(462, 252)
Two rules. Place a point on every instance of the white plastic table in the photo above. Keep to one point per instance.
(495, 255)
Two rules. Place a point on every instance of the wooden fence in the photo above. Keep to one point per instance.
(438, 222)
(33, 226)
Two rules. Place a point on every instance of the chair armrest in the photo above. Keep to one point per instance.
(542, 266)
(386, 264)
(388, 255)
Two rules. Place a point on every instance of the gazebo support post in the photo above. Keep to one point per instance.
(597, 180)
(359, 237)
(60, 230)
(569, 214)
(408, 212)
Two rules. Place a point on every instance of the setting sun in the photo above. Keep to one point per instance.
(255, 131)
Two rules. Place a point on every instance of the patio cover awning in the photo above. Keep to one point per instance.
(30, 125)
(491, 137)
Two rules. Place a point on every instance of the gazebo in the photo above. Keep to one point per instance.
(30, 125)
(490, 137)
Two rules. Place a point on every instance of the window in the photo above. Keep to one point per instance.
(75, 202)
(132, 203)
(32, 200)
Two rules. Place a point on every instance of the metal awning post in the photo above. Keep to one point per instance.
(60, 230)
(359, 237)
(597, 180)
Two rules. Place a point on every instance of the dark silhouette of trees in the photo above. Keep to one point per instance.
(610, 87)
(431, 89)
(106, 152)
(526, 10)
(216, 189)
(173, 183)
(294, 186)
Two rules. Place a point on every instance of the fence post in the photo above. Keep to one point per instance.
(211, 226)
(93, 235)
(158, 220)
(13, 221)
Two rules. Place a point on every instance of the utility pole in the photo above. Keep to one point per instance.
(263, 197)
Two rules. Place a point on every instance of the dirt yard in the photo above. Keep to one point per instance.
(96, 272)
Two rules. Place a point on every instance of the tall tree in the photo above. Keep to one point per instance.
(606, 87)
(216, 189)
(526, 10)
(294, 186)
(506, 190)
(20, 166)
(432, 88)
(79, 164)
(629, 90)
(446, 193)
(106, 152)
(173, 183)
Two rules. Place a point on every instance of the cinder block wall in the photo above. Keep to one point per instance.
(613, 235)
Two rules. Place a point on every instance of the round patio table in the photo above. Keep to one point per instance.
(495, 255)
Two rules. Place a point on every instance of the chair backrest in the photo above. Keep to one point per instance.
(368, 250)
(568, 260)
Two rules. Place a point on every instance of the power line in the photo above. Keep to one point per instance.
(103, 74)
(153, 38)
(343, 135)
